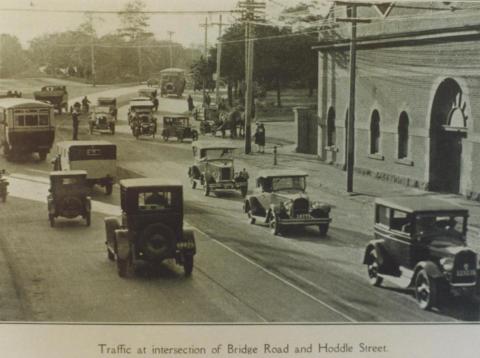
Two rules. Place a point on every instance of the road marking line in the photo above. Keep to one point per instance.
(281, 279)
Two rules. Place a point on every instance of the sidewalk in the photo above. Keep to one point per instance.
(328, 183)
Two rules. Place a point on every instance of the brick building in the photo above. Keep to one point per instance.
(417, 115)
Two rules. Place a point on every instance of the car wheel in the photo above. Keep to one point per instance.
(372, 269)
(425, 290)
(108, 189)
(206, 191)
(52, 220)
(165, 138)
(323, 228)
(123, 266)
(276, 227)
(88, 218)
(188, 264)
(251, 219)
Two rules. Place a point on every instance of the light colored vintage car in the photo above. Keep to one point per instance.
(214, 170)
(281, 201)
(101, 119)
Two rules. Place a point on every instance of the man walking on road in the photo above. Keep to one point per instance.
(190, 103)
(75, 120)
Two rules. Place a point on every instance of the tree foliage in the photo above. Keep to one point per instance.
(12, 56)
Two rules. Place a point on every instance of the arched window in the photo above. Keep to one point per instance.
(375, 133)
(331, 136)
(403, 136)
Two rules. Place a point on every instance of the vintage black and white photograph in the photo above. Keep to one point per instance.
(239, 161)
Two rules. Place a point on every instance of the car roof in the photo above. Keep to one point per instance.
(213, 145)
(72, 143)
(281, 173)
(142, 103)
(68, 172)
(176, 116)
(22, 102)
(98, 109)
(172, 69)
(149, 182)
(414, 203)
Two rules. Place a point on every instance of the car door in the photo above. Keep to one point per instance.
(399, 241)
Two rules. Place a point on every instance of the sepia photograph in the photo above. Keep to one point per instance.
(242, 168)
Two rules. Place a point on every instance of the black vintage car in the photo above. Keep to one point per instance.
(68, 196)
(424, 240)
(151, 226)
(57, 96)
(281, 201)
(178, 126)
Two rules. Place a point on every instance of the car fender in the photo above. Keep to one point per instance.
(431, 268)
(122, 244)
(376, 245)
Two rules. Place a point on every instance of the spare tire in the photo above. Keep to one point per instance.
(71, 207)
(157, 242)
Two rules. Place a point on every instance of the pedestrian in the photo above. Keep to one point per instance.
(75, 120)
(260, 138)
(85, 104)
(190, 103)
(155, 103)
(207, 100)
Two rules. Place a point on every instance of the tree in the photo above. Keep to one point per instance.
(12, 56)
(134, 23)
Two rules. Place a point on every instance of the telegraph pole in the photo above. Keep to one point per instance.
(92, 58)
(205, 51)
(170, 34)
(219, 59)
(251, 9)
(139, 53)
(352, 18)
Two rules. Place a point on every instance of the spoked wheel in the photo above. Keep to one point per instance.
(425, 290)
(188, 264)
(372, 269)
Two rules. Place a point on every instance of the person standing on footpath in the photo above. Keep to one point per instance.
(259, 137)
(190, 103)
(75, 120)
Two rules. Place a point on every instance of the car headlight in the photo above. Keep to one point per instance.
(447, 263)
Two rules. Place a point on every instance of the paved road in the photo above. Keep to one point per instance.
(242, 272)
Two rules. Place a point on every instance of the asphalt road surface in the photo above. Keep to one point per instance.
(242, 273)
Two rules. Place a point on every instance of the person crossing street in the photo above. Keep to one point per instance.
(75, 120)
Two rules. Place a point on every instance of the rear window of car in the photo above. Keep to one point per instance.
(156, 200)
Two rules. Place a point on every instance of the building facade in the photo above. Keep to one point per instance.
(417, 112)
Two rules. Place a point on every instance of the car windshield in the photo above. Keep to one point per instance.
(286, 183)
(155, 200)
(440, 225)
(218, 153)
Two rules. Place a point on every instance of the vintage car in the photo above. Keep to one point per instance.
(68, 195)
(138, 105)
(143, 122)
(281, 201)
(97, 158)
(57, 96)
(3, 185)
(101, 119)
(110, 102)
(213, 169)
(172, 82)
(26, 126)
(151, 226)
(10, 94)
(423, 239)
(178, 126)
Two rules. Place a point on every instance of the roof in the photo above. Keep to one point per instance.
(149, 182)
(281, 173)
(68, 172)
(141, 104)
(22, 102)
(72, 143)
(411, 203)
(213, 145)
(172, 69)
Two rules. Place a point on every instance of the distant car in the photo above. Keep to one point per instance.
(57, 96)
(111, 103)
(68, 196)
(178, 126)
(98, 158)
(151, 226)
(213, 169)
(143, 122)
(281, 201)
(10, 94)
(423, 239)
(139, 105)
(101, 119)
(172, 82)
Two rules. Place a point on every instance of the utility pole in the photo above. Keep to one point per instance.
(170, 34)
(352, 18)
(92, 58)
(250, 8)
(219, 59)
(205, 51)
(139, 53)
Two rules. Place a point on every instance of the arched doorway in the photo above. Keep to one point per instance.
(448, 127)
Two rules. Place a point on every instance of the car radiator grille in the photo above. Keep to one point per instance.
(300, 207)
(226, 173)
(465, 268)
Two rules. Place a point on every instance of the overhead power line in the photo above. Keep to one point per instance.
(120, 12)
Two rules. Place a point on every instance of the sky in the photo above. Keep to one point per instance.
(27, 25)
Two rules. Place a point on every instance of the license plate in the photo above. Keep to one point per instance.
(303, 216)
(186, 245)
(464, 273)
